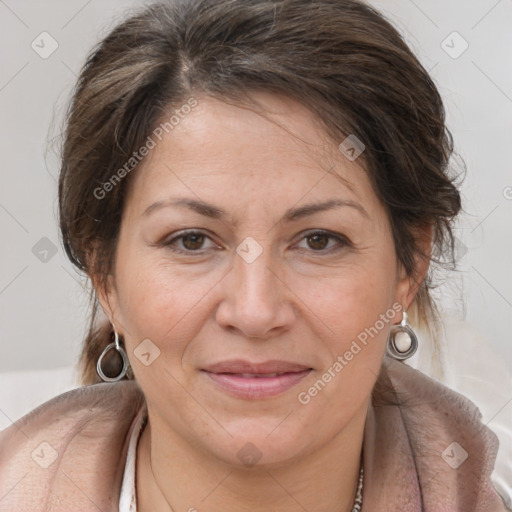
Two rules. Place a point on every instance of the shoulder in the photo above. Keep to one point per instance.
(430, 410)
(452, 450)
(69, 444)
(425, 402)
(107, 402)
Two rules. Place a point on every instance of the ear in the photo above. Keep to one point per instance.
(408, 285)
(105, 288)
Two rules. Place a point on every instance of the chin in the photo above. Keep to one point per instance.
(258, 443)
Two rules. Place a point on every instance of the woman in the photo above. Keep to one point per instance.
(259, 192)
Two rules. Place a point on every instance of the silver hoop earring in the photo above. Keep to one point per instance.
(113, 370)
(402, 342)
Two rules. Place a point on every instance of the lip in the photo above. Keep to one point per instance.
(252, 381)
(243, 366)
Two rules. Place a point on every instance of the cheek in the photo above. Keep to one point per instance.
(354, 313)
(351, 301)
(158, 301)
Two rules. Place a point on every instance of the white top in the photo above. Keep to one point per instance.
(128, 498)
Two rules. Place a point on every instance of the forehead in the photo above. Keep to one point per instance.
(239, 153)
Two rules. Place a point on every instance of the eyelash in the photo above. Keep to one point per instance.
(342, 241)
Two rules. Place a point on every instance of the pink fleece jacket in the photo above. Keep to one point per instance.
(425, 449)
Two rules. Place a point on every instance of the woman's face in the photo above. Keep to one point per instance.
(252, 247)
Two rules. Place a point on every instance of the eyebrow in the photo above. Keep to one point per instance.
(293, 214)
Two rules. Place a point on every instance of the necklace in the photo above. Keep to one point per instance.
(358, 502)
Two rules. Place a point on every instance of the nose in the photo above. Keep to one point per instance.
(256, 301)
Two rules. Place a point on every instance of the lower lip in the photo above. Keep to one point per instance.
(254, 388)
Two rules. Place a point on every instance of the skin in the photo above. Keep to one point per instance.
(303, 300)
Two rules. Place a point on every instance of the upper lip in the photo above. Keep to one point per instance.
(242, 366)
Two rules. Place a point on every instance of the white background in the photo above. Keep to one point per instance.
(42, 304)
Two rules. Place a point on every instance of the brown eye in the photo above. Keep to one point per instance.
(190, 243)
(193, 241)
(323, 242)
(318, 242)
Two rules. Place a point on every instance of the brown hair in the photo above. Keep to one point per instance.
(340, 58)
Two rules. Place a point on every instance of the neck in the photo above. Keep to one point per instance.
(172, 476)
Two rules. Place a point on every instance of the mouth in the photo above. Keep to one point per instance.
(253, 381)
